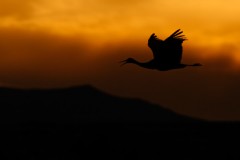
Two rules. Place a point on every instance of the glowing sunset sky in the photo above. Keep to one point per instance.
(61, 43)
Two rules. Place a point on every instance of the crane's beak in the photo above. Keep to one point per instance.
(123, 62)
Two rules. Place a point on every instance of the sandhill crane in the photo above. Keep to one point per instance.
(167, 54)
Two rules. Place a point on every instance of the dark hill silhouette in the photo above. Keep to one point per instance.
(79, 105)
(85, 123)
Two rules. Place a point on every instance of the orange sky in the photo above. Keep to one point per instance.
(61, 43)
(213, 20)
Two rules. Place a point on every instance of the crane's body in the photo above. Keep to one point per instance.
(167, 54)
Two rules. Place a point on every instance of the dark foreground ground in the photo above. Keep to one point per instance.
(84, 123)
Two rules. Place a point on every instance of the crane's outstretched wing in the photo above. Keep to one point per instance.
(168, 51)
(156, 46)
(173, 46)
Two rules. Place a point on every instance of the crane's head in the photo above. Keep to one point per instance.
(129, 60)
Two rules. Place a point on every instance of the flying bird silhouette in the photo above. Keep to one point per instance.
(167, 54)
